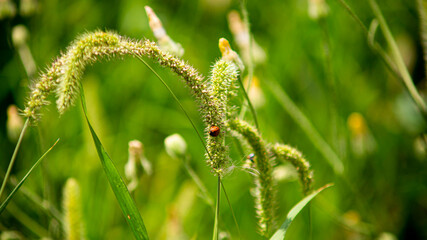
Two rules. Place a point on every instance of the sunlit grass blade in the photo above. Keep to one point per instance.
(308, 128)
(231, 208)
(281, 232)
(129, 209)
(12, 194)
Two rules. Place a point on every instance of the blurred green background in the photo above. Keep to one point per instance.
(383, 189)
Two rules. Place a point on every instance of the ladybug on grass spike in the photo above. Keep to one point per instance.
(214, 131)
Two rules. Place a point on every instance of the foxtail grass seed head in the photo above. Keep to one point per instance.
(136, 165)
(165, 42)
(222, 88)
(73, 222)
(287, 153)
(45, 84)
(14, 123)
(317, 9)
(264, 192)
(67, 70)
(85, 50)
(175, 146)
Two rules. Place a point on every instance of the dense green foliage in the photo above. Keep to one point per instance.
(384, 184)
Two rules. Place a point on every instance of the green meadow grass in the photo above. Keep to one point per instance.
(346, 91)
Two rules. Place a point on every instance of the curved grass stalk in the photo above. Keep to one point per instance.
(287, 153)
(66, 72)
(397, 57)
(395, 64)
(372, 44)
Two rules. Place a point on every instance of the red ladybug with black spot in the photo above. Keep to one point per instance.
(214, 131)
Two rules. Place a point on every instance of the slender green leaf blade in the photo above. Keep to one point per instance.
(12, 194)
(281, 232)
(119, 188)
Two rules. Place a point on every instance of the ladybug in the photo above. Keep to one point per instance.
(251, 157)
(214, 131)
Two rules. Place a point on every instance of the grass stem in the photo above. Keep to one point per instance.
(395, 64)
(15, 153)
(216, 225)
(397, 57)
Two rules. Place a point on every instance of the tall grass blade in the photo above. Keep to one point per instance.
(305, 124)
(12, 194)
(129, 209)
(281, 232)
